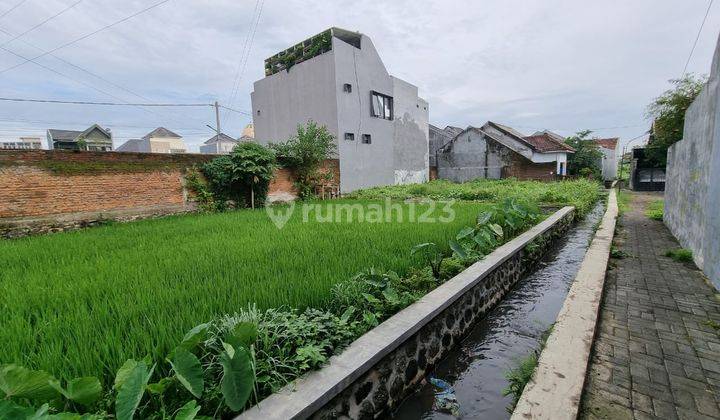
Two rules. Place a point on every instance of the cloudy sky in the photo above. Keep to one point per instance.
(559, 65)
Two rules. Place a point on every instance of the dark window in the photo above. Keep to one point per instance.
(347, 87)
(366, 139)
(349, 136)
(381, 106)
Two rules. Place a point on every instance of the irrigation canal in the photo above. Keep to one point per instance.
(475, 370)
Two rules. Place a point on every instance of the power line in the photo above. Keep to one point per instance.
(43, 22)
(247, 48)
(53, 101)
(236, 110)
(88, 35)
(696, 39)
(12, 8)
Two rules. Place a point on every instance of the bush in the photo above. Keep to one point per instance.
(242, 176)
(304, 154)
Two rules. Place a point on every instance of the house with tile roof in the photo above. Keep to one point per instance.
(496, 151)
(94, 138)
(219, 144)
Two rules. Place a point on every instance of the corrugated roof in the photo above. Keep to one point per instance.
(161, 132)
(609, 143)
(64, 135)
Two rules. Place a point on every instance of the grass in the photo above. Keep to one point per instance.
(655, 210)
(519, 376)
(80, 303)
(579, 193)
(624, 200)
(680, 255)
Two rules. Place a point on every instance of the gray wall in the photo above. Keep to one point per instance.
(313, 90)
(471, 156)
(692, 186)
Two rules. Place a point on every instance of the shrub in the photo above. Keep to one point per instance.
(242, 176)
(304, 154)
(655, 210)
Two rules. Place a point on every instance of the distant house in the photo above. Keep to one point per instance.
(496, 151)
(609, 149)
(95, 138)
(22, 143)
(438, 137)
(160, 140)
(248, 133)
(218, 145)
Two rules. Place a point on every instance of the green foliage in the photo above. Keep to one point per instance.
(668, 114)
(519, 376)
(587, 159)
(188, 371)
(188, 411)
(238, 377)
(304, 154)
(131, 390)
(580, 193)
(680, 255)
(84, 391)
(623, 200)
(432, 255)
(19, 382)
(655, 210)
(248, 169)
(203, 195)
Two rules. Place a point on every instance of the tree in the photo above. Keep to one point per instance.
(587, 158)
(668, 114)
(304, 154)
(242, 175)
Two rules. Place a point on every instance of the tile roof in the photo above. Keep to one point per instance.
(609, 143)
(161, 132)
(64, 135)
(544, 143)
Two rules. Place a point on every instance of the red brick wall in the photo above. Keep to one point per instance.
(433, 173)
(41, 183)
(522, 168)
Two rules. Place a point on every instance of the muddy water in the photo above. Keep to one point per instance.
(511, 331)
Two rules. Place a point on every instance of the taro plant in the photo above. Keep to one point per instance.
(431, 254)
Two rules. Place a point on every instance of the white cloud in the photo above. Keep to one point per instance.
(561, 65)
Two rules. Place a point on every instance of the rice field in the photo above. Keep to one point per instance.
(81, 303)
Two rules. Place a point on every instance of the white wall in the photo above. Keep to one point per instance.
(609, 163)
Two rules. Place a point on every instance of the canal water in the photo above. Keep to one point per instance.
(476, 368)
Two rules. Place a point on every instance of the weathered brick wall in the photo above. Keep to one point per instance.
(522, 168)
(57, 189)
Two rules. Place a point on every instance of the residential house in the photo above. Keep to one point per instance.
(22, 143)
(160, 140)
(609, 163)
(496, 151)
(94, 138)
(218, 145)
(439, 137)
(248, 133)
(338, 80)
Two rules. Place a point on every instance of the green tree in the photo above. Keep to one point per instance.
(587, 158)
(668, 114)
(242, 175)
(304, 154)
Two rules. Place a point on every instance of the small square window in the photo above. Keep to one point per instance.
(350, 136)
(366, 139)
(347, 87)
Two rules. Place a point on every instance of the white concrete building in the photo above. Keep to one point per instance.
(218, 145)
(22, 143)
(609, 149)
(337, 79)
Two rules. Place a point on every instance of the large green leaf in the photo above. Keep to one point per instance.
(464, 233)
(84, 391)
(484, 217)
(188, 371)
(195, 336)
(10, 410)
(243, 334)
(497, 229)
(238, 378)
(17, 381)
(131, 391)
(458, 249)
(188, 411)
(125, 370)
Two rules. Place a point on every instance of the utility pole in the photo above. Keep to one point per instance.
(217, 119)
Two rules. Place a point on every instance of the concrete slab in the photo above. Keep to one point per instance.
(556, 388)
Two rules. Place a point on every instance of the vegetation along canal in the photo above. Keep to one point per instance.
(476, 369)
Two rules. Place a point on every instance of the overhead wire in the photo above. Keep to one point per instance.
(5, 13)
(20, 35)
(692, 50)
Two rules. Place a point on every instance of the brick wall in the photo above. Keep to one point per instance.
(522, 168)
(46, 187)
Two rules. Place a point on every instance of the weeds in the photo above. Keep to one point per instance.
(521, 375)
(655, 210)
(680, 255)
